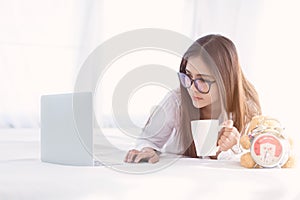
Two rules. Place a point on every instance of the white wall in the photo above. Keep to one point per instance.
(276, 63)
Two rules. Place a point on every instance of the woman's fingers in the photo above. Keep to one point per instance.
(228, 138)
(142, 156)
(224, 143)
(146, 154)
(154, 159)
(131, 155)
(228, 123)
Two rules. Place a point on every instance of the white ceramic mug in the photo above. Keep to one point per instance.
(205, 135)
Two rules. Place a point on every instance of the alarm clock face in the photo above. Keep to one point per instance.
(267, 150)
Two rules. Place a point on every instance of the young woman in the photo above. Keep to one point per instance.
(212, 86)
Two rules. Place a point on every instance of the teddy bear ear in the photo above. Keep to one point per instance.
(271, 122)
(255, 121)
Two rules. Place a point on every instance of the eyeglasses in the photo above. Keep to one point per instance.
(202, 85)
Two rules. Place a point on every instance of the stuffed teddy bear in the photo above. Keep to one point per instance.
(266, 145)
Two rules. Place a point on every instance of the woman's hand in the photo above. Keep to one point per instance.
(229, 136)
(146, 154)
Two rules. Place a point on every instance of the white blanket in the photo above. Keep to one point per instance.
(24, 176)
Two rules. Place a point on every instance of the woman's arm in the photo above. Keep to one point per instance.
(157, 130)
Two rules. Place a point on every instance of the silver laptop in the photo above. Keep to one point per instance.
(67, 132)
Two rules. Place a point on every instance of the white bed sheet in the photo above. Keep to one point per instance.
(24, 176)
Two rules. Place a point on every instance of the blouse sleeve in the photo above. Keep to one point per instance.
(160, 124)
(229, 155)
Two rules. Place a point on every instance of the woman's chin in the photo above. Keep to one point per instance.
(200, 104)
(196, 104)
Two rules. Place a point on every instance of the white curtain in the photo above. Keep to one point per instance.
(235, 19)
(43, 44)
(38, 47)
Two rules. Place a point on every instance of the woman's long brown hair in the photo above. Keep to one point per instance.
(237, 94)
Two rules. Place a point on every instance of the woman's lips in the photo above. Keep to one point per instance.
(197, 98)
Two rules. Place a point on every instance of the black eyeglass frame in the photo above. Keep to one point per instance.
(193, 81)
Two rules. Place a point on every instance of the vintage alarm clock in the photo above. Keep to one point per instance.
(268, 146)
(270, 149)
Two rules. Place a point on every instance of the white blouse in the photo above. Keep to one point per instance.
(161, 130)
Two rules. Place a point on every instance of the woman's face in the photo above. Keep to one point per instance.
(195, 68)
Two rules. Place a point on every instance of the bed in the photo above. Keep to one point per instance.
(24, 176)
